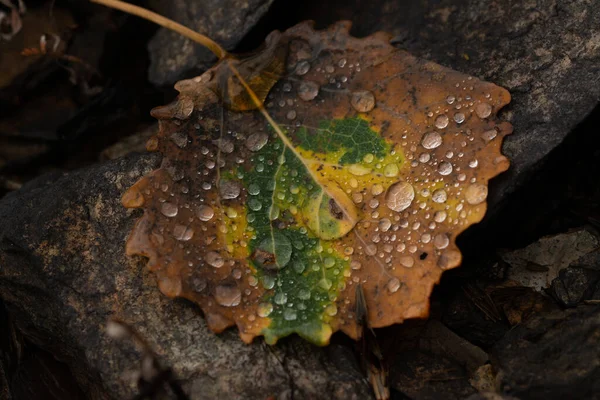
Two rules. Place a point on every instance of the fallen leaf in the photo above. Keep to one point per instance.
(374, 161)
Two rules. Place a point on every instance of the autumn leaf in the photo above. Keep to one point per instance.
(369, 164)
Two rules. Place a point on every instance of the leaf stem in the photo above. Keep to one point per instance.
(167, 23)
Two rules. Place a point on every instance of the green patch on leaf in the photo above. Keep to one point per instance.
(352, 135)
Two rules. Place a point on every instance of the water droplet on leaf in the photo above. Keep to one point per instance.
(393, 285)
(214, 259)
(399, 196)
(228, 295)
(169, 209)
(431, 140)
(257, 141)
(483, 110)
(308, 90)
(441, 121)
(363, 100)
(476, 193)
(229, 189)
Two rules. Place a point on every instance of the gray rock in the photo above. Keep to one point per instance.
(174, 57)
(574, 285)
(63, 273)
(545, 52)
(552, 356)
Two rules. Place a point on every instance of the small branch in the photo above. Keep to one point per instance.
(167, 23)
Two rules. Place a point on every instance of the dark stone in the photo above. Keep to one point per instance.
(424, 376)
(63, 274)
(469, 321)
(553, 356)
(589, 261)
(574, 285)
(174, 57)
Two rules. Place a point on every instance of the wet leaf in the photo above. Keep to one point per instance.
(376, 162)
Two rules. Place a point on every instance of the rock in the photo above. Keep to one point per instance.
(426, 376)
(553, 356)
(428, 361)
(174, 57)
(574, 285)
(538, 264)
(63, 273)
(439, 340)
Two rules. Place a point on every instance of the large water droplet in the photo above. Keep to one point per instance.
(198, 284)
(290, 314)
(303, 294)
(424, 157)
(358, 170)
(377, 189)
(254, 189)
(385, 224)
(229, 189)
(298, 266)
(183, 233)
(407, 261)
(476, 193)
(489, 135)
(169, 209)
(363, 100)
(328, 262)
(441, 241)
(228, 295)
(331, 310)
(371, 249)
(325, 283)
(180, 139)
(459, 118)
(399, 196)
(257, 141)
(214, 259)
(205, 213)
(302, 67)
(439, 196)
(280, 298)
(441, 121)
(393, 285)
(308, 90)
(439, 216)
(445, 168)
(254, 204)
(268, 282)
(391, 170)
(431, 140)
(264, 309)
(225, 145)
(483, 110)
